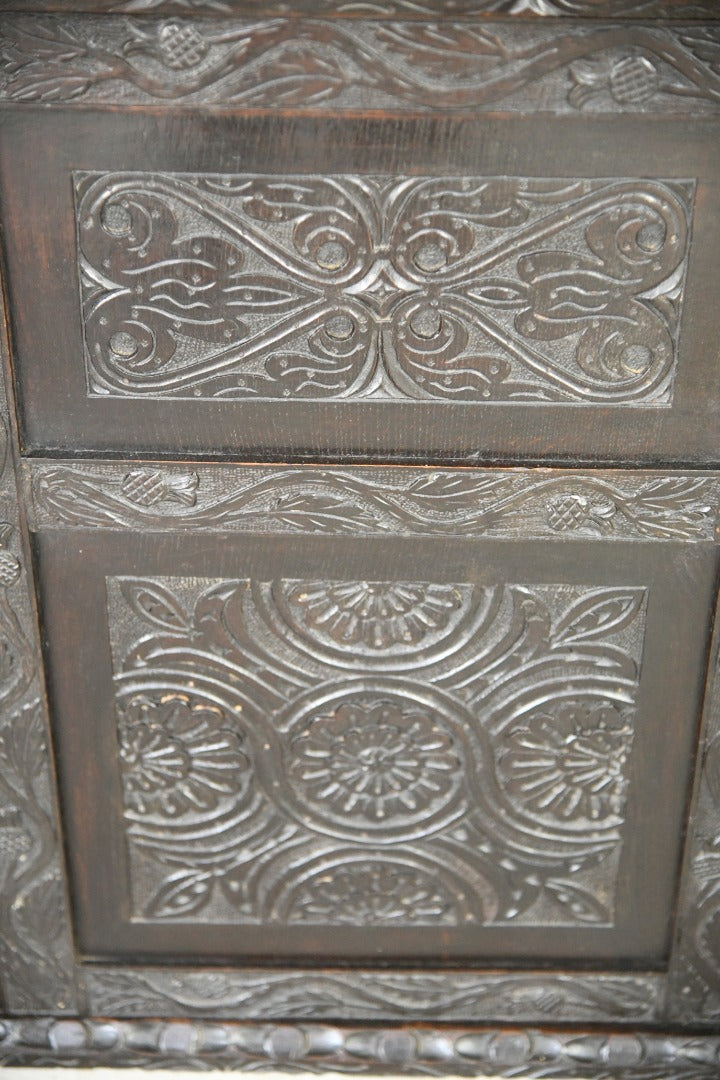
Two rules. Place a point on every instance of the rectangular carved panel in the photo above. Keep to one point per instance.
(457, 289)
(404, 290)
(374, 753)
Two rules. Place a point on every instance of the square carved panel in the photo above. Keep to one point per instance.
(306, 752)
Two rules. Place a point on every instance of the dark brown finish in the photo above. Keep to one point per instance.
(343, 750)
(637, 381)
(344, 771)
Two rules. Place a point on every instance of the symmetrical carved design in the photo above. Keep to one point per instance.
(36, 966)
(318, 1048)
(695, 969)
(272, 774)
(379, 994)
(404, 501)
(345, 64)
(466, 289)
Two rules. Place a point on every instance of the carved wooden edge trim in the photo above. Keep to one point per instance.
(694, 976)
(362, 500)
(386, 995)
(36, 954)
(316, 1048)
(387, 9)
(340, 65)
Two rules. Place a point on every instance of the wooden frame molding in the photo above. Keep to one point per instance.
(316, 1048)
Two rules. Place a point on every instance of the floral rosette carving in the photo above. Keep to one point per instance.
(374, 763)
(178, 756)
(379, 615)
(568, 762)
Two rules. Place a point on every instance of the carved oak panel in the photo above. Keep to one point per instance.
(410, 752)
(353, 764)
(415, 297)
(462, 289)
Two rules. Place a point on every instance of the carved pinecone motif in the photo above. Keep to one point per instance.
(181, 47)
(9, 569)
(147, 487)
(633, 80)
(567, 512)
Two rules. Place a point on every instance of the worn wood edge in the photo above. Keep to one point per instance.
(650, 505)
(363, 65)
(36, 948)
(694, 973)
(318, 1047)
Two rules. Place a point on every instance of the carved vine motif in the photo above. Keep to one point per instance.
(354, 63)
(404, 501)
(319, 1047)
(464, 289)
(367, 994)
(272, 776)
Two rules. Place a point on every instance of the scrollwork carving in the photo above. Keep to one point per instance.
(493, 288)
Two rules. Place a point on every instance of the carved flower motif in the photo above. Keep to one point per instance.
(376, 613)
(569, 763)
(375, 760)
(569, 512)
(177, 756)
(372, 894)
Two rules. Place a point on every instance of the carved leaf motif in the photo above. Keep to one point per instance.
(307, 512)
(445, 491)
(705, 45)
(156, 605)
(674, 507)
(429, 46)
(597, 617)
(302, 75)
(183, 893)
(579, 903)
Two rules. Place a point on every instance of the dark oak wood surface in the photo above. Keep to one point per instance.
(334, 731)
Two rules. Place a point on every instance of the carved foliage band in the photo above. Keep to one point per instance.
(460, 289)
(337, 752)
(403, 501)
(339, 65)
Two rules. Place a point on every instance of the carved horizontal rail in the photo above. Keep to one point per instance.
(316, 1048)
(365, 500)
(337, 65)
